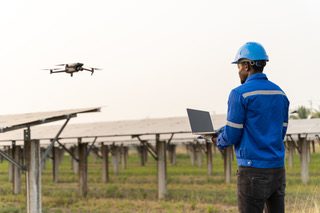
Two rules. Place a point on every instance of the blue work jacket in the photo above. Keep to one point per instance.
(257, 122)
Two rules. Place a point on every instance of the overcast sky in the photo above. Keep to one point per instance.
(158, 57)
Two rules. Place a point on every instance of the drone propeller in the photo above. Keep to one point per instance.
(94, 68)
(52, 69)
(60, 64)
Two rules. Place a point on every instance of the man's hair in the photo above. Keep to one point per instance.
(257, 66)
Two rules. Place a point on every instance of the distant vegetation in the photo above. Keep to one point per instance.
(303, 112)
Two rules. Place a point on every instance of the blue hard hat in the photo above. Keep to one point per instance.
(252, 51)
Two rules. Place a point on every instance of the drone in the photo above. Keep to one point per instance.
(72, 68)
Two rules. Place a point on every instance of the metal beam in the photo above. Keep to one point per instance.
(43, 121)
(52, 142)
(7, 157)
(151, 150)
(67, 150)
(92, 145)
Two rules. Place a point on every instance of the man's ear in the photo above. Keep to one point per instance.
(247, 67)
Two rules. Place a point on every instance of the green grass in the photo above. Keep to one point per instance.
(135, 189)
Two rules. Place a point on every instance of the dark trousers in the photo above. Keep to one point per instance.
(259, 187)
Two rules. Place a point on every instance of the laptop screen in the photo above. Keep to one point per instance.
(200, 121)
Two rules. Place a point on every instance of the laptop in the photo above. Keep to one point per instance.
(200, 122)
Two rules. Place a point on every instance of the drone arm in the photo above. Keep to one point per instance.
(58, 71)
(86, 69)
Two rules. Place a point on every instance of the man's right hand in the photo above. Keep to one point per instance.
(214, 139)
(216, 134)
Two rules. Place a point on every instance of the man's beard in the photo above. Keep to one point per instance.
(243, 80)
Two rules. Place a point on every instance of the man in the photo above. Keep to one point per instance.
(257, 122)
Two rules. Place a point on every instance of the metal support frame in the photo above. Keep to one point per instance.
(290, 147)
(67, 150)
(83, 168)
(170, 139)
(191, 148)
(124, 150)
(172, 153)
(313, 146)
(91, 146)
(295, 143)
(198, 154)
(172, 150)
(95, 150)
(161, 167)
(228, 163)
(143, 153)
(115, 152)
(33, 173)
(16, 154)
(75, 164)
(105, 163)
(8, 158)
(55, 164)
(13, 161)
(304, 146)
(159, 154)
(150, 148)
(209, 157)
(10, 166)
(52, 142)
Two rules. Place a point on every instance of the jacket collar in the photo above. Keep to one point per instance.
(257, 76)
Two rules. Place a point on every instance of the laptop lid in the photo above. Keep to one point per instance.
(200, 122)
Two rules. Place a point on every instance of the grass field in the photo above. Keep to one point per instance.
(135, 189)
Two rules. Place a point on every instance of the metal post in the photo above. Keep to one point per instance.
(228, 163)
(16, 151)
(209, 157)
(115, 159)
(199, 155)
(187, 149)
(309, 151)
(94, 156)
(192, 153)
(172, 153)
(33, 176)
(55, 164)
(313, 147)
(141, 153)
(83, 168)
(162, 167)
(75, 163)
(10, 166)
(304, 160)
(126, 153)
(145, 153)
(123, 157)
(42, 151)
(291, 153)
(105, 163)
(61, 155)
(71, 158)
